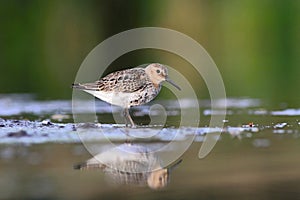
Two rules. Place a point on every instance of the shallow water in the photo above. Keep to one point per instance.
(257, 155)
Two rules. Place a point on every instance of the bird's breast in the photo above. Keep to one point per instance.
(145, 95)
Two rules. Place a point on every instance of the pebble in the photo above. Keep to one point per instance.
(20, 133)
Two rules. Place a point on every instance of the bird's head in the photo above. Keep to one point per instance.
(158, 73)
(158, 179)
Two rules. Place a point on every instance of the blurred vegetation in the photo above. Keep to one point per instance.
(255, 43)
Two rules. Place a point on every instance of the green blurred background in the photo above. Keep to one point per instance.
(255, 43)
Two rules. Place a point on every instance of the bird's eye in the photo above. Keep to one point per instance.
(160, 178)
(158, 71)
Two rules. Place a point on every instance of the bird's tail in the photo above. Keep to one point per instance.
(79, 166)
(78, 86)
(86, 166)
(86, 86)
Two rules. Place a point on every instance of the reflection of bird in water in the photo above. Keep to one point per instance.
(130, 87)
(132, 165)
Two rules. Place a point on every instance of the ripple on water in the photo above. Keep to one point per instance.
(31, 132)
(286, 112)
(45, 130)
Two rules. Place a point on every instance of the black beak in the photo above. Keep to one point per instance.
(172, 83)
(174, 165)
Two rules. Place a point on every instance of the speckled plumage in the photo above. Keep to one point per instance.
(131, 164)
(130, 87)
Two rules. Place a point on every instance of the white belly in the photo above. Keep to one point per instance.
(114, 98)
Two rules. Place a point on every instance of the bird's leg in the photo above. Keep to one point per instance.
(128, 117)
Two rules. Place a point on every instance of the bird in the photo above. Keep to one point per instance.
(129, 87)
(131, 164)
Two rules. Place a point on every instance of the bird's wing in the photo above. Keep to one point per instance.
(128, 80)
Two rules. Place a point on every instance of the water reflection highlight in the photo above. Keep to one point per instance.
(131, 164)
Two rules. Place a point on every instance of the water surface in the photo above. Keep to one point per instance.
(257, 155)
